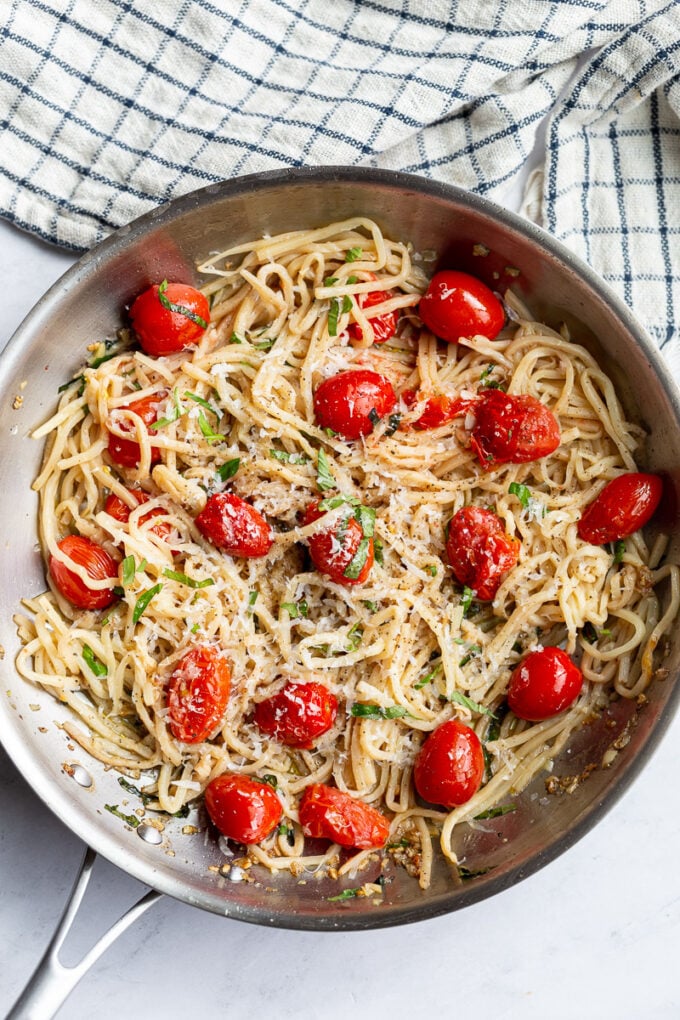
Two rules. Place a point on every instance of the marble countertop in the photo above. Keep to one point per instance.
(596, 934)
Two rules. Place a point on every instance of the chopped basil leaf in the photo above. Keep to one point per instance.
(521, 491)
(296, 609)
(588, 632)
(487, 371)
(129, 570)
(393, 425)
(130, 819)
(324, 478)
(131, 788)
(330, 281)
(117, 590)
(95, 664)
(370, 605)
(265, 345)
(181, 309)
(270, 780)
(474, 650)
(346, 303)
(365, 515)
(176, 413)
(204, 403)
(431, 568)
(228, 469)
(466, 873)
(78, 379)
(354, 637)
(190, 582)
(346, 894)
(144, 600)
(474, 706)
(210, 435)
(352, 279)
(619, 550)
(194, 629)
(235, 339)
(358, 561)
(333, 502)
(290, 458)
(364, 711)
(353, 254)
(333, 314)
(466, 599)
(496, 812)
(378, 551)
(428, 677)
(252, 598)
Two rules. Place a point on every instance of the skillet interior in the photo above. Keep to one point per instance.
(85, 305)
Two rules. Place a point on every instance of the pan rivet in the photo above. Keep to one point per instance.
(81, 776)
(149, 834)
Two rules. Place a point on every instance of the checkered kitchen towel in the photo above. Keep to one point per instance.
(109, 106)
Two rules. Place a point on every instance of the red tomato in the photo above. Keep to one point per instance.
(450, 765)
(544, 684)
(622, 507)
(384, 326)
(298, 714)
(458, 305)
(120, 511)
(480, 551)
(242, 808)
(345, 401)
(333, 549)
(234, 526)
(126, 452)
(513, 429)
(328, 813)
(163, 330)
(439, 409)
(98, 565)
(197, 694)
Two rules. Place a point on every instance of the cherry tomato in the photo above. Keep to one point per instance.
(242, 808)
(333, 549)
(98, 565)
(120, 511)
(298, 714)
(480, 551)
(439, 409)
(328, 813)
(450, 765)
(234, 526)
(162, 330)
(622, 507)
(544, 684)
(197, 694)
(126, 452)
(384, 326)
(458, 305)
(513, 429)
(345, 401)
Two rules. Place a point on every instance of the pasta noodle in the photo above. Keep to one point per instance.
(404, 641)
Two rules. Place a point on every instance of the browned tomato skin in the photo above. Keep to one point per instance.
(126, 452)
(329, 556)
(544, 684)
(457, 305)
(347, 402)
(480, 551)
(624, 506)
(384, 326)
(234, 526)
(512, 429)
(298, 714)
(197, 694)
(439, 409)
(97, 563)
(450, 765)
(163, 331)
(329, 813)
(243, 809)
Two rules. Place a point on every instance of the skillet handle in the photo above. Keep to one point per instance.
(52, 982)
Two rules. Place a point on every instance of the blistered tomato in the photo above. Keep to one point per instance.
(98, 565)
(450, 765)
(458, 305)
(341, 551)
(197, 694)
(234, 526)
(351, 403)
(480, 550)
(544, 684)
(242, 808)
(298, 714)
(511, 429)
(169, 317)
(329, 813)
(624, 506)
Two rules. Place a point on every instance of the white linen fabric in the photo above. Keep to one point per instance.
(108, 107)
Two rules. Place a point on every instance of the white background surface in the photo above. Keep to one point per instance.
(596, 934)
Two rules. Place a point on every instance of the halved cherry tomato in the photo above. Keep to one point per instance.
(126, 452)
(349, 402)
(328, 813)
(450, 765)
(197, 693)
(511, 429)
(333, 549)
(544, 684)
(384, 326)
(480, 550)
(162, 330)
(242, 808)
(120, 511)
(234, 526)
(622, 507)
(98, 565)
(439, 409)
(458, 305)
(298, 714)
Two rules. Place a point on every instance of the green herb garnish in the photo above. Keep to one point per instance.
(235, 339)
(129, 819)
(129, 570)
(270, 780)
(144, 600)
(521, 491)
(363, 711)
(354, 637)
(431, 568)
(619, 550)
(289, 458)
(496, 812)
(358, 561)
(296, 609)
(176, 413)
(353, 254)
(370, 605)
(95, 664)
(190, 582)
(228, 469)
(78, 379)
(330, 281)
(181, 309)
(374, 417)
(393, 424)
(204, 403)
(466, 599)
(252, 598)
(324, 478)
(206, 429)
(346, 894)
(474, 706)
(424, 680)
(378, 551)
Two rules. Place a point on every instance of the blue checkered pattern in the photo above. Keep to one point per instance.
(109, 106)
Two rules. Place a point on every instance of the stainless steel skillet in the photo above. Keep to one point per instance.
(86, 304)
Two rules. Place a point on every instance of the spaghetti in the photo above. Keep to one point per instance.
(237, 414)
